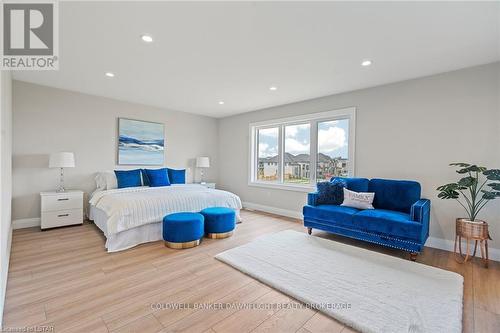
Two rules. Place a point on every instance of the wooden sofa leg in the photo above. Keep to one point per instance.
(309, 230)
(413, 256)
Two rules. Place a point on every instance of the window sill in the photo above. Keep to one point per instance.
(286, 187)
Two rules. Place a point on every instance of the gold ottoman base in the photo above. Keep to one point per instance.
(220, 235)
(185, 245)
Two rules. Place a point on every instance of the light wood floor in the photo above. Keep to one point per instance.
(65, 279)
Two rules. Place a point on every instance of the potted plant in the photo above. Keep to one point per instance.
(476, 189)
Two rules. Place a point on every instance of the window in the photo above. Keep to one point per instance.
(333, 149)
(297, 158)
(295, 153)
(267, 147)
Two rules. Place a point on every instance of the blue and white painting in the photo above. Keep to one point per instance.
(140, 142)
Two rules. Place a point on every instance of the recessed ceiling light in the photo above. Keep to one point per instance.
(366, 63)
(221, 102)
(273, 88)
(109, 74)
(147, 38)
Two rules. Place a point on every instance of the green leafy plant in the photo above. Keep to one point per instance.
(471, 188)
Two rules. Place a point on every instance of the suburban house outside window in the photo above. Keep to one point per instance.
(295, 153)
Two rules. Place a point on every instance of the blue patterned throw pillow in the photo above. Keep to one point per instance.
(331, 193)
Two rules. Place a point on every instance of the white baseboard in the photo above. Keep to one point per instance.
(5, 268)
(434, 242)
(449, 245)
(273, 210)
(26, 223)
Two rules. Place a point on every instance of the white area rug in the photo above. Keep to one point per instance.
(385, 294)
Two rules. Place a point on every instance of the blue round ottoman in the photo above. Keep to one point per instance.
(182, 230)
(219, 222)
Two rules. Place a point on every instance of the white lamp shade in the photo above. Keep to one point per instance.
(62, 160)
(202, 162)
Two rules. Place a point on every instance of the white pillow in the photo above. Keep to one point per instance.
(111, 181)
(106, 180)
(100, 181)
(360, 200)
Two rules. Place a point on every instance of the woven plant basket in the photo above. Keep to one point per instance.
(472, 229)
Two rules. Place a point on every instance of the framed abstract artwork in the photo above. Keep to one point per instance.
(140, 142)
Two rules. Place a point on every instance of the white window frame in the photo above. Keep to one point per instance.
(313, 119)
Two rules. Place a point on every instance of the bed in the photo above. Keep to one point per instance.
(132, 216)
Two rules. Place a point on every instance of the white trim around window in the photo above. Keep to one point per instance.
(313, 120)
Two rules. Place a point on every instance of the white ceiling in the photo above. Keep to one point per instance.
(206, 52)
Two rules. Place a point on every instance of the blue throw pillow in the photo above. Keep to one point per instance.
(128, 178)
(157, 177)
(331, 193)
(177, 176)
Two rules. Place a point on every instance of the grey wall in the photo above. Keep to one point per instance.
(49, 120)
(407, 130)
(5, 180)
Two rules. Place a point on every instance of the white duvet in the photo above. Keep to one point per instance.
(128, 208)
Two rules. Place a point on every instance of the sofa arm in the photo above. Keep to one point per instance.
(312, 198)
(420, 211)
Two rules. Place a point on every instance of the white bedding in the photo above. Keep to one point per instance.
(133, 207)
(125, 240)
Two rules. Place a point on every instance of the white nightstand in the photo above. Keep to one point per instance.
(207, 185)
(61, 208)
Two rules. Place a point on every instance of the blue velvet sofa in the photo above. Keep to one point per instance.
(400, 218)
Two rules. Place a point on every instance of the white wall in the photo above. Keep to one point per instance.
(5, 181)
(407, 130)
(47, 120)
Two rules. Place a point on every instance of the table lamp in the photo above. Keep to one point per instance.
(62, 160)
(202, 162)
